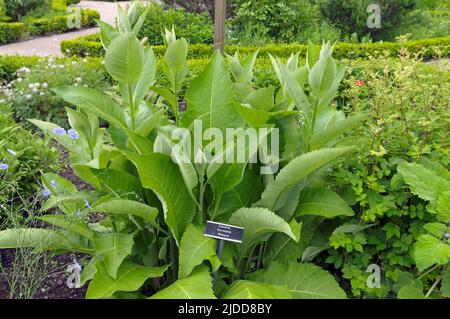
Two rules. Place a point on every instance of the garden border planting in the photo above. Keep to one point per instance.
(11, 32)
(91, 46)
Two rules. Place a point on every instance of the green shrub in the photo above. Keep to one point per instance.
(351, 15)
(59, 24)
(3, 16)
(196, 28)
(91, 46)
(26, 155)
(11, 32)
(9, 64)
(32, 95)
(408, 105)
(88, 17)
(39, 26)
(59, 5)
(258, 22)
(18, 9)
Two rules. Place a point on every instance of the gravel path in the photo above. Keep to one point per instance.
(50, 45)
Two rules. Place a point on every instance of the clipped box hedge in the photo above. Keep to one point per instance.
(58, 24)
(39, 26)
(11, 32)
(83, 46)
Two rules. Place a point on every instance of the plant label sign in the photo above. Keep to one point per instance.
(224, 231)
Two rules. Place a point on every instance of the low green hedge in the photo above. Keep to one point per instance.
(58, 24)
(11, 32)
(39, 26)
(83, 46)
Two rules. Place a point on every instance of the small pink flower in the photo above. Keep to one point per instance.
(359, 82)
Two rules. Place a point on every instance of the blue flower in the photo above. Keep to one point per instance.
(10, 151)
(86, 203)
(3, 167)
(53, 183)
(73, 134)
(59, 131)
(79, 214)
(45, 192)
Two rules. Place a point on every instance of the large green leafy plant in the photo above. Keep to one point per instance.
(431, 182)
(153, 208)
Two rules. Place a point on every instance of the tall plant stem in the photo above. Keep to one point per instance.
(132, 106)
(173, 257)
(434, 285)
(200, 200)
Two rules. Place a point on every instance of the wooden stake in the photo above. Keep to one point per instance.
(219, 25)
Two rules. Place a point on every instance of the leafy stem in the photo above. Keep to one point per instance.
(132, 107)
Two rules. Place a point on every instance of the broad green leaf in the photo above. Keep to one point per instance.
(70, 200)
(40, 239)
(124, 59)
(296, 93)
(305, 281)
(312, 54)
(407, 279)
(107, 33)
(322, 76)
(28, 237)
(274, 196)
(242, 195)
(436, 229)
(328, 96)
(166, 94)
(324, 135)
(62, 184)
(68, 223)
(430, 251)
(197, 286)
(130, 277)
(253, 117)
(244, 289)
(224, 175)
(194, 249)
(262, 99)
(147, 77)
(282, 248)
(352, 228)
(410, 292)
(210, 97)
(259, 223)
(175, 56)
(139, 144)
(242, 72)
(322, 202)
(184, 163)
(95, 102)
(161, 175)
(443, 207)
(114, 247)
(149, 124)
(120, 206)
(89, 270)
(117, 180)
(422, 181)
